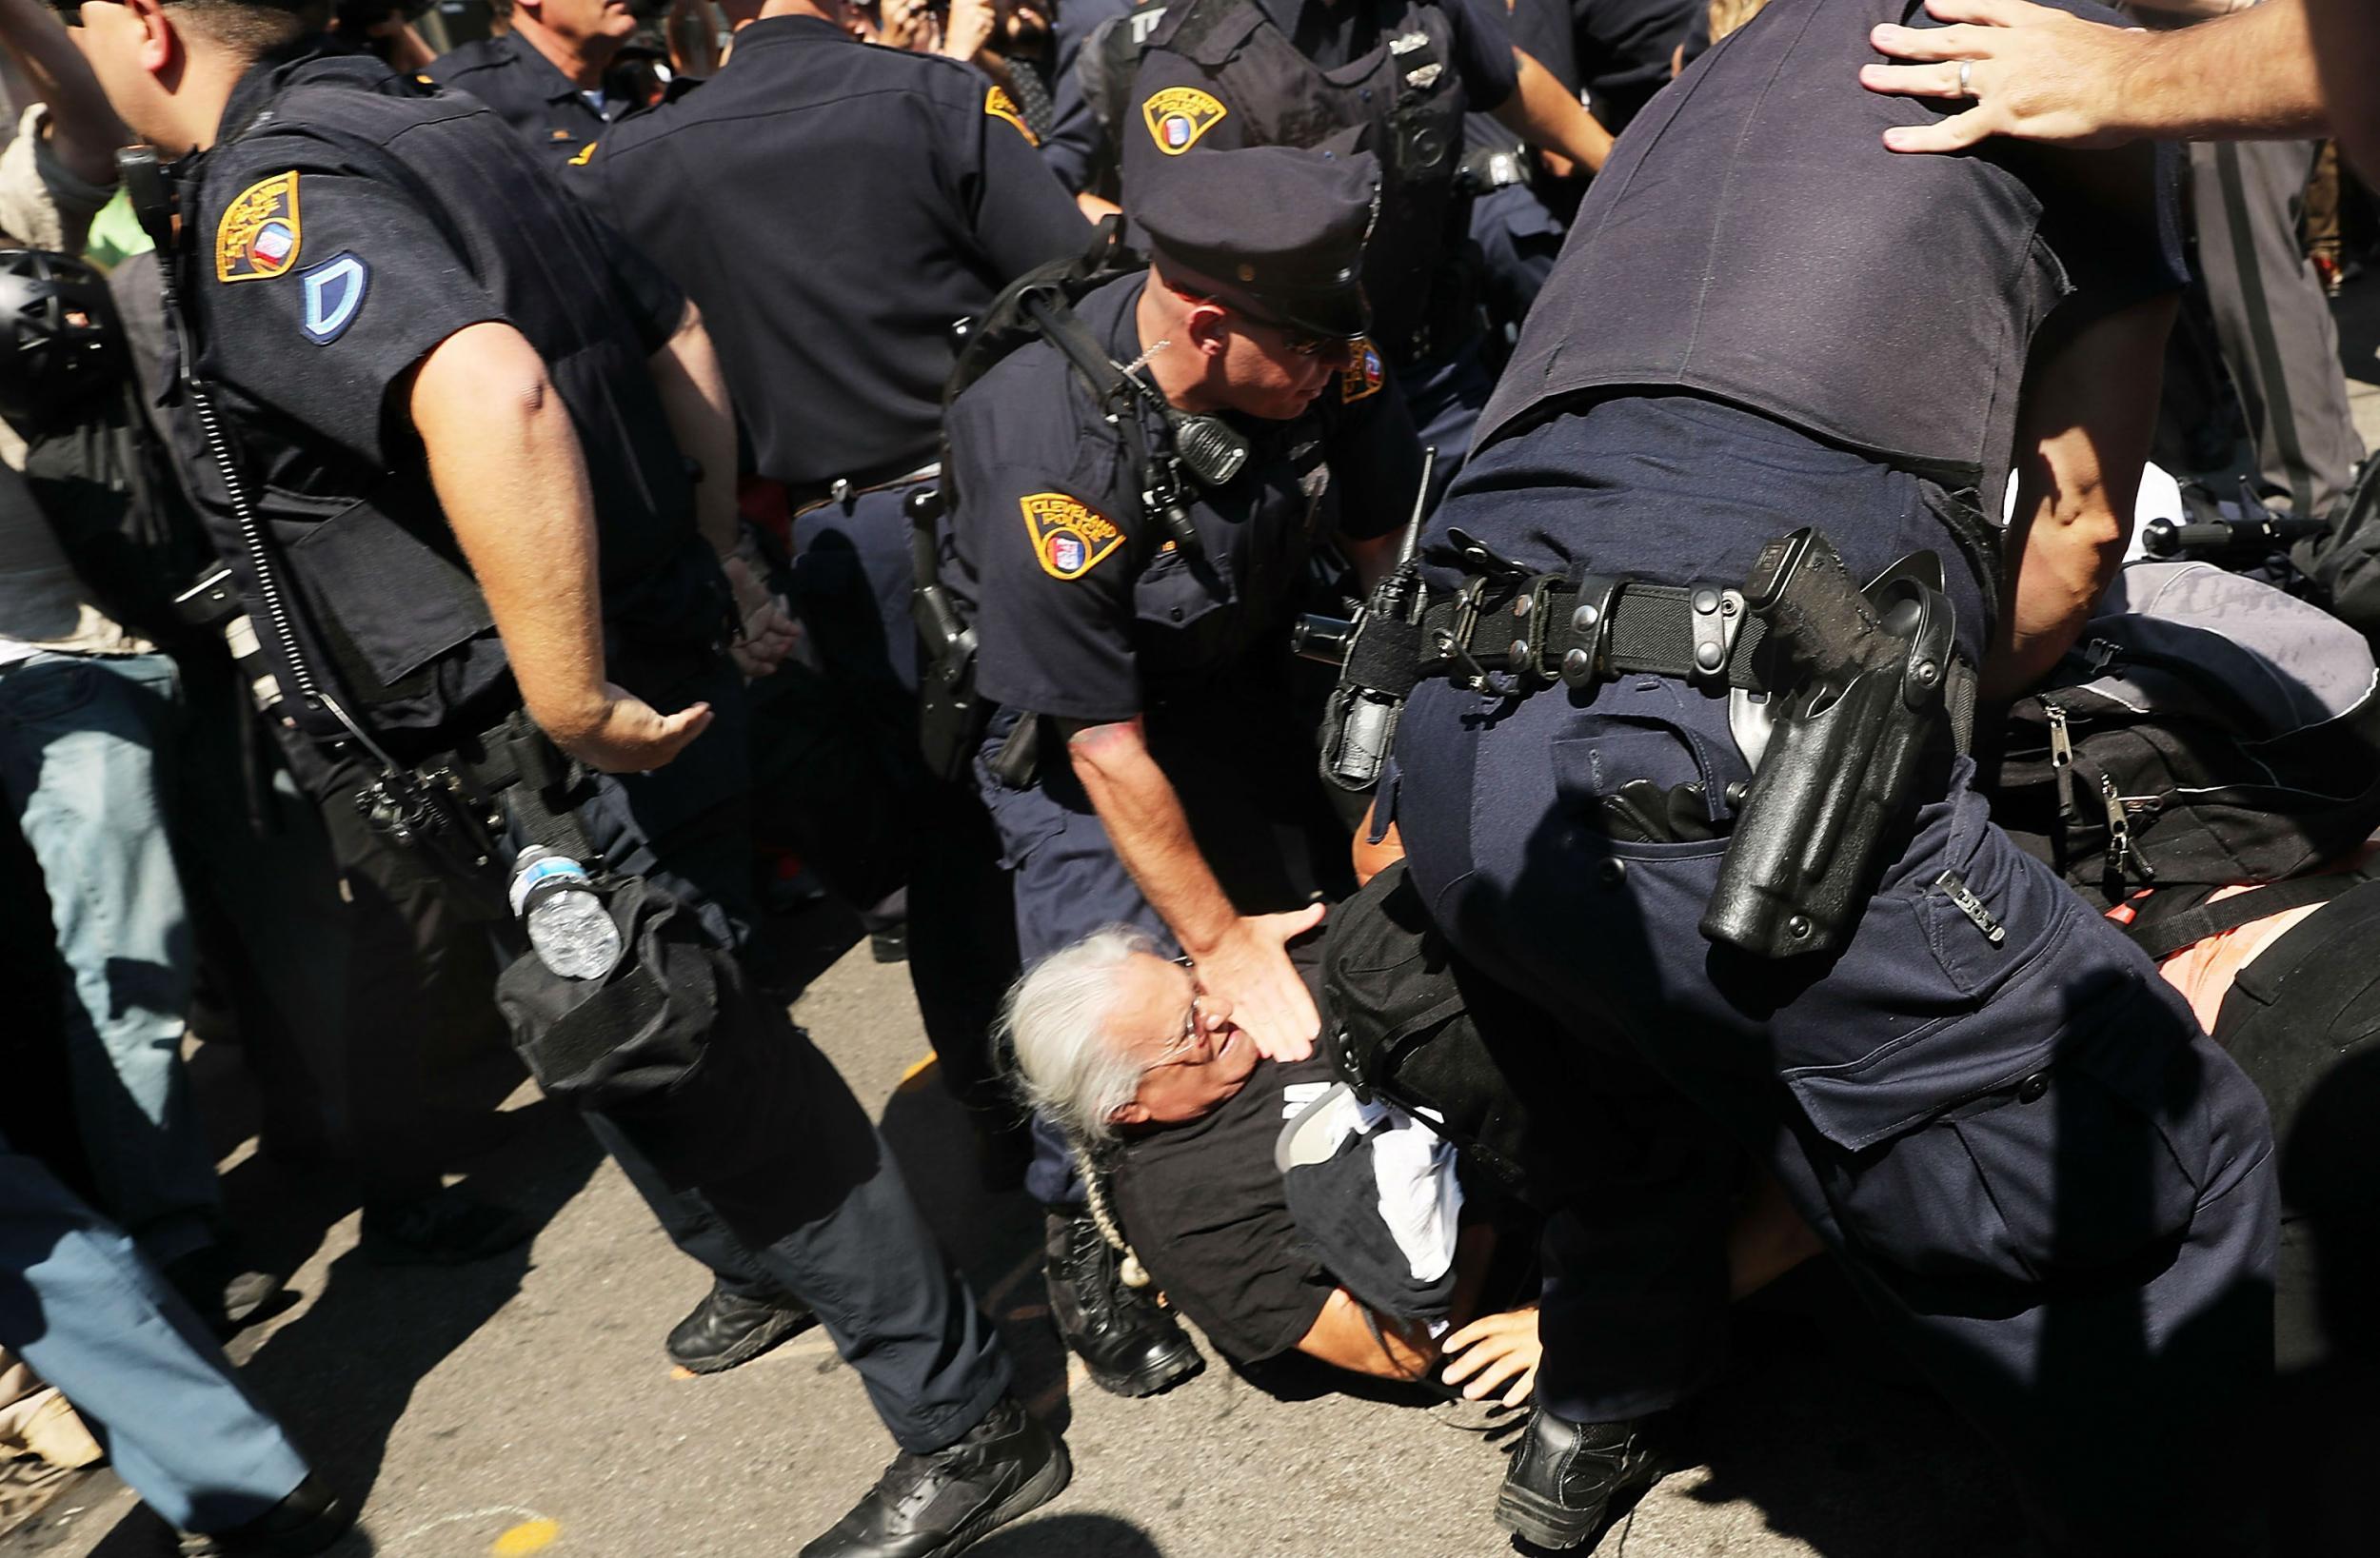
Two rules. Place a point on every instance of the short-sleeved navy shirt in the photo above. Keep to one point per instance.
(1082, 614)
(835, 209)
(1073, 147)
(330, 247)
(527, 92)
(1623, 50)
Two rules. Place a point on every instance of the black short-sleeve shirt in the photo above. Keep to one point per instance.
(835, 210)
(1203, 1207)
(1080, 613)
(346, 223)
(543, 106)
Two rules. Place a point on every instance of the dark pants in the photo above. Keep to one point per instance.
(1445, 396)
(830, 1222)
(2057, 1194)
(851, 579)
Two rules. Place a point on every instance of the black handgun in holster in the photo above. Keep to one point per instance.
(950, 717)
(1378, 655)
(1859, 679)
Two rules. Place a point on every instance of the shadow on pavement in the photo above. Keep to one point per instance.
(1070, 1536)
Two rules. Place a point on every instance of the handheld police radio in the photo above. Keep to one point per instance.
(1379, 655)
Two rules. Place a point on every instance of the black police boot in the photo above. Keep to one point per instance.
(728, 1327)
(310, 1519)
(1131, 1347)
(1567, 1479)
(938, 1505)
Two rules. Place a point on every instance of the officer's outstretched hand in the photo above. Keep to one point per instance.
(630, 737)
(1250, 968)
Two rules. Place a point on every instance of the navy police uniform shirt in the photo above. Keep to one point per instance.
(527, 92)
(835, 209)
(1622, 51)
(1085, 609)
(1335, 35)
(345, 224)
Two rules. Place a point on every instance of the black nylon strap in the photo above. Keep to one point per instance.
(1650, 633)
(2161, 933)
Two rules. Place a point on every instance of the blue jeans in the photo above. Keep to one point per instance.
(83, 746)
(80, 1305)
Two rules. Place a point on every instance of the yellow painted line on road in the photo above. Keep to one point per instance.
(528, 1536)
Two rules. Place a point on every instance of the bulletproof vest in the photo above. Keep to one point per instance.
(1404, 89)
(1114, 59)
(389, 603)
(1753, 240)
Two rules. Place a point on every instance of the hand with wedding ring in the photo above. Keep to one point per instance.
(2031, 71)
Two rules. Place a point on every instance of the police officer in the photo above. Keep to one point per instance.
(544, 75)
(2054, 1191)
(935, 196)
(454, 436)
(1133, 613)
(1221, 73)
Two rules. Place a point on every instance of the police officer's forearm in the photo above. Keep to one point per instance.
(1544, 112)
(701, 418)
(505, 462)
(1151, 834)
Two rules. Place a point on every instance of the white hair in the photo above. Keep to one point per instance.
(1057, 1021)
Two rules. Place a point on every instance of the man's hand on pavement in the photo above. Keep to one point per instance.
(1250, 968)
(628, 736)
(2034, 72)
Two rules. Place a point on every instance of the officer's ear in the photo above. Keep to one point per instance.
(1207, 329)
(161, 43)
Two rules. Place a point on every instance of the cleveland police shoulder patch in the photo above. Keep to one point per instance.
(1000, 105)
(1177, 116)
(1069, 539)
(1360, 379)
(258, 236)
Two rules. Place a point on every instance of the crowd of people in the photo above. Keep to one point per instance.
(1503, 671)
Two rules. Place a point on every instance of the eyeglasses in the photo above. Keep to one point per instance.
(1304, 342)
(1191, 1046)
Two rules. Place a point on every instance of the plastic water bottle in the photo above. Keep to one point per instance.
(567, 922)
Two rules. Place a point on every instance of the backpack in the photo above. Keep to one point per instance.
(1406, 1020)
(2209, 729)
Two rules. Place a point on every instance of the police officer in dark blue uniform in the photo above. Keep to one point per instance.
(929, 180)
(458, 442)
(1223, 73)
(545, 75)
(2057, 1194)
(1132, 596)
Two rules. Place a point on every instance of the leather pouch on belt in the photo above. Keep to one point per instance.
(671, 1046)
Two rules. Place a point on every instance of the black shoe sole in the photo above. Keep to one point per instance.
(1039, 1490)
(1542, 1522)
(1156, 1379)
(782, 1326)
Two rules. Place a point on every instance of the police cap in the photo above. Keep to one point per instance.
(1276, 230)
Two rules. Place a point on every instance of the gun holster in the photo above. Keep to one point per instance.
(950, 715)
(1863, 675)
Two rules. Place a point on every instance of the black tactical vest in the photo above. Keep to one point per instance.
(1752, 240)
(389, 606)
(1405, 90)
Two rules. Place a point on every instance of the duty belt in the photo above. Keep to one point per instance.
(1579, 630)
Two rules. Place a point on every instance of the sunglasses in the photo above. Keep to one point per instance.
(1304, 342)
